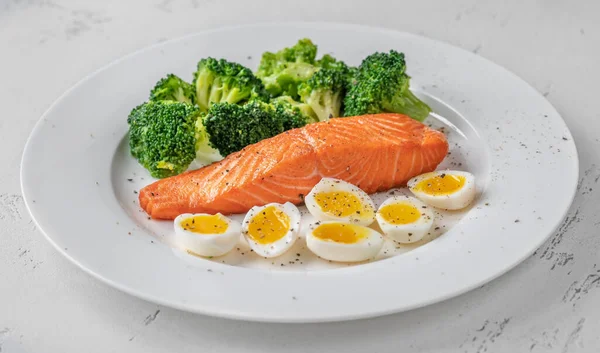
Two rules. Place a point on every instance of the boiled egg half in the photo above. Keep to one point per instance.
(272, 229)
(404, 219)
(449, 189)
(336, 200)
(343, 242)
(205, 234)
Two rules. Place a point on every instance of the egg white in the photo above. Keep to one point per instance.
(364, 249)
(206, 244)
(365, 218)
(453, 201)
(410, 232)
(279, 246)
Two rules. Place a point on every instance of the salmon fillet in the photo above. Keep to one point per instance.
(374, 152)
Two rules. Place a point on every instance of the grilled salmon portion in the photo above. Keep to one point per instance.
(374, 152)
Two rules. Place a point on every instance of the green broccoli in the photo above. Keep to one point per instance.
(283, 71)
(324, 91)
(162, 136)
(293, 116)
(231, 127)
(381, 85)
(329, 62)
(221, 81)
(173, 88)
(304, 51)
(301, 108)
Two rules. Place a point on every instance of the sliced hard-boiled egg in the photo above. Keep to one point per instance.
(336, 200)
(206, 235)
(343, 242)
(404, 219)
(272, 229)
(449, 189)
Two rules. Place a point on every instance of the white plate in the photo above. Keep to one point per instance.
(76, 168)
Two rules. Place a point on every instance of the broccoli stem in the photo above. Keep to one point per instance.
(216, 91)
(408, 104)
(203, 92)
(325, 104)
(232, 97)
(205, 153)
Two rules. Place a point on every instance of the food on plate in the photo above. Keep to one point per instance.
(445, 189)
(229, 128)
(380, 84)
(283, 71)
(295, 73)
(222, 81)
(173, 88)
(272, 229)
(336, 200)
(374, 152)
(404, 219)
(291, 88)
(288, 103)
(343, 242)
(301, 129)
(205, 234)
(162, 136)
(324, 91)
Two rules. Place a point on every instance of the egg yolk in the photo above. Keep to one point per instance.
(339, 203)
(340, 232)
(442, 184)
(400, 213)
(268, 226)
(205, 224)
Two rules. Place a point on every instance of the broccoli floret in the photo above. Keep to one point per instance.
(289, 104)
(162, 136)
(221, 81)
(231, 127)
(304, 51)
(167, 136)
(329, 62)
(283, 71)
(381, 85)
(352, 73)
(173, 88)
(324, 91)
(293, 116)
(286, 81)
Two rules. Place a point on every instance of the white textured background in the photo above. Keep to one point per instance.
(550, 303)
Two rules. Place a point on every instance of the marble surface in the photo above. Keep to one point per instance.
(549, 303)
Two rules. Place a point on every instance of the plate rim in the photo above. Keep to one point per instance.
(232, 314)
